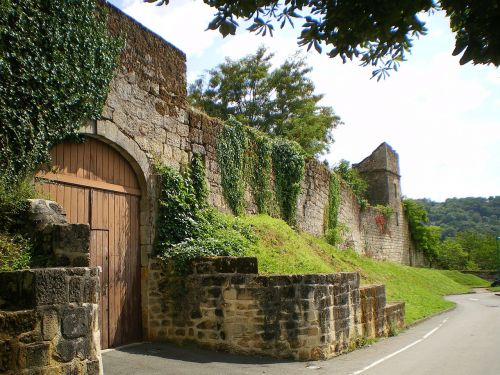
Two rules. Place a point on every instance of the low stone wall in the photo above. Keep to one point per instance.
(225, 305)
(48, 321)
(488, 275)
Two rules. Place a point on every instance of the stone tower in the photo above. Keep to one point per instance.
(381, 171)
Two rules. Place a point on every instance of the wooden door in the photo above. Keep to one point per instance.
(96, 185)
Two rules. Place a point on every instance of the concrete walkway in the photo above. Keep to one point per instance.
(464, 341)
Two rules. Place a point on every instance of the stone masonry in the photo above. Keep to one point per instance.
(58, 243)
(224, 304)
(48, 322)
(147, 118)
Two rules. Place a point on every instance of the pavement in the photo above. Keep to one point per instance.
(464, 341)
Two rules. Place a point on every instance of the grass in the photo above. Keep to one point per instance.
(494, 288)
(282, 250)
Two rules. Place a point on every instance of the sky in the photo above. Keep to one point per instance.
(443, 119)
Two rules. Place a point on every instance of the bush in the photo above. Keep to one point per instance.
(15, 252)
(14, 202)
(353, 179)
(187, 228)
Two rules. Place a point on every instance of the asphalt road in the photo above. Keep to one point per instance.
(464, 341)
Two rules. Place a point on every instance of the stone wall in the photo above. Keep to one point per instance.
(147, 118)
(48, 321)
(224, 304)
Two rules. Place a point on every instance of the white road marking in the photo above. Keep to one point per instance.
(427, 335)
(474, 299)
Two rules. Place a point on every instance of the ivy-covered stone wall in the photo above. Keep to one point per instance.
(147, 118)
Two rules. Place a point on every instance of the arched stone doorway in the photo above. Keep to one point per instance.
(97, 185)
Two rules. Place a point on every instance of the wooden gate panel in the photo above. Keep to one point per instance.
(96, 185)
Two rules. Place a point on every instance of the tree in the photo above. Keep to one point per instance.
(453, 257)
(279, 102)
(426, 237)
(379, 33)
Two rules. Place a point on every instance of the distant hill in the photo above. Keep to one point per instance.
(478, 215)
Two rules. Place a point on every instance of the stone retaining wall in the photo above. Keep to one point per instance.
(225, 305)
(48, 322)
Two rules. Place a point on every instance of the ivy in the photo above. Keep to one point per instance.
(331, 232)
(231, 146)
(246, 155)
(199, 181)
(426, 237)
(186, 227)
(289, 168)
(259, 165)
(353, 179)
(56, 62)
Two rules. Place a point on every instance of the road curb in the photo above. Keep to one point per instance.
(431, 316)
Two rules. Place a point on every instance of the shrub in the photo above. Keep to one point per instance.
(15, 252)
(353, 179)
(187, 228)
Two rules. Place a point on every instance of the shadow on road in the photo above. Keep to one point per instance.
(191, 353)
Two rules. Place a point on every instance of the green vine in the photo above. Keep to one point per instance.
(353, 179)
(187, 228)
(231, 146)
(331, 232)
(248, 156)
(289, 169)
(56, 62)
(199, 181)
(426, 237)
(259, 169)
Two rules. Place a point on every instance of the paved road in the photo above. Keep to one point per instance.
(465, 341)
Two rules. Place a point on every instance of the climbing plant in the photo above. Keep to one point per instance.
(56, 62)
(186, 227)
(200, 188)
(231, 146)
(259, 169)
(382, 216)
(289, 168)
(426, 237)
(331, 232)
(353, 179)
(248, 156)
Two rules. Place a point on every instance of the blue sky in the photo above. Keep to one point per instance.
(443, 119)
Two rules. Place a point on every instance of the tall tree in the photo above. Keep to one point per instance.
(280, 102)
(379, 33)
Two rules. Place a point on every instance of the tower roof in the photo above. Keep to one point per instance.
(383, 158)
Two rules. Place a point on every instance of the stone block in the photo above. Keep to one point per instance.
(50, 286)
(93, 368)
(50, 324)
(35, 355)
(16, 322)
(75, 322)
(75, 292)
(91, 290)
(66, 350)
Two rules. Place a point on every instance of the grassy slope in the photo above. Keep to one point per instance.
(282, 250)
